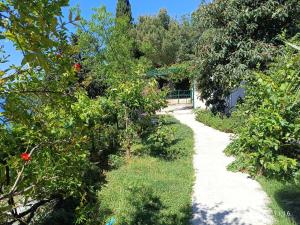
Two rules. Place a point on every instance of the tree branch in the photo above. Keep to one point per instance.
(12, 191)
(33, 91)
(17, 181)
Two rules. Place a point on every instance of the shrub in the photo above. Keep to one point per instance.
(268, 141)
(217, 121)
(159, 141)
(116, 161)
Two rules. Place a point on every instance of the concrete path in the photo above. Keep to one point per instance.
(221, 197)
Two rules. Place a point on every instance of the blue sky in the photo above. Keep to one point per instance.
(141, 7)
(176, 8)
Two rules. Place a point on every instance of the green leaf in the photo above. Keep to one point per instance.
(293, 46)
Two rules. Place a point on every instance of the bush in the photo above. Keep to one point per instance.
(116, 161)
(218, 121)
(159, 141)
(268, 141)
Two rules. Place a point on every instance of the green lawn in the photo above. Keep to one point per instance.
(285, 201)
(152, 190)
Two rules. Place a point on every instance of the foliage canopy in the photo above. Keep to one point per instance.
(236, 37)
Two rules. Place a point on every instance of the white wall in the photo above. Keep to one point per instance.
(232, 99)
(197, 102)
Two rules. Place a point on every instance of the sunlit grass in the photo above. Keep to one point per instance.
(151, 190)
(285, 201)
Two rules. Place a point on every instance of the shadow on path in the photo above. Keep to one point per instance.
(214, 216)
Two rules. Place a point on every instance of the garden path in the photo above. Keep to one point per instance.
(221, 197)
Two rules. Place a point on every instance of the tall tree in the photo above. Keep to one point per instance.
(236, 37)
(164, 18)
(124, 10)
(163, 40)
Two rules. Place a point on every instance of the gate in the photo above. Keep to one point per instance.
(181, 97)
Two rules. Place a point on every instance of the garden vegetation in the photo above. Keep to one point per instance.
(155, 187)
(217, 121)
(79, 138)
(72, 102)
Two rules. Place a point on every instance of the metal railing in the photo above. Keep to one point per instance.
(182, 96)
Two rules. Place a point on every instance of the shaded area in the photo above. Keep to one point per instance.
(61, 212)
(211, 215)
(147, 206)
(148, 209)
(288, 198)
(285, 200)
(65, 211)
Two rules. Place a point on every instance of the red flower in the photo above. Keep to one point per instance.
(26, 157)
(77, 67)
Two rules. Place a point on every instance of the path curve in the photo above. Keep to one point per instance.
(221, 197)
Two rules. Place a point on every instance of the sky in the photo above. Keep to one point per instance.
(176, 9)
(141, 7)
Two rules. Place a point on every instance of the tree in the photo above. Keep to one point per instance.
(164, 18)
(236, 37)
(107, 48)
(124, 10)
(162, 40)
(45, 138)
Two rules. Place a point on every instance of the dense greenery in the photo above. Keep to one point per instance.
(53, 135)
(241, 42)
(268, 139)
(151, 190)
(41, 117)
(163, 40)
(219, 121)
(236, 37)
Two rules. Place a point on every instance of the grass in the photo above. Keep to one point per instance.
(285, 201)
(224, 124)
(152, 190)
